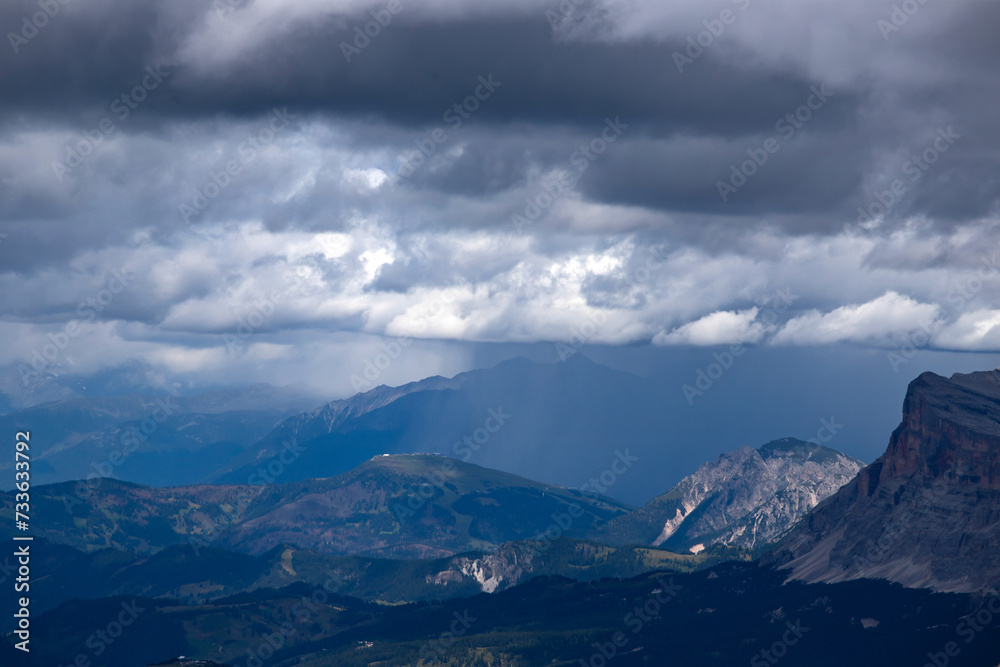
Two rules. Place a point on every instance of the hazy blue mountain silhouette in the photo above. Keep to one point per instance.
(567, 422)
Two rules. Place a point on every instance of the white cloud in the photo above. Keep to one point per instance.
(977, 330)
(366, 179)
(875, 322)
(370, 257)
(724, 327)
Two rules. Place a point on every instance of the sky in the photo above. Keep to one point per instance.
(244, 190)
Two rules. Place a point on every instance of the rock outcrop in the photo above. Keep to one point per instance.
(746, 498)
(927, 513)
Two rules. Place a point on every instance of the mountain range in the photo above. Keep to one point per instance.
(400, 542)
(431, 506)
(403, 506)
(564, 424)
(150, 438)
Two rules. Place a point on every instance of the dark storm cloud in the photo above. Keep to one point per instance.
(81, 58)
(209, 84)
(409, 75)
(413, 72)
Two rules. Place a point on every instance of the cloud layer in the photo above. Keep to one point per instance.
(611, 172)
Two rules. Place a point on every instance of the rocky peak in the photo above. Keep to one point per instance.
(926, 513)
(950, 428)
(747, 497)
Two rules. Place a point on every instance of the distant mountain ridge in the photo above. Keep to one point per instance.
(927, 512)
(566, 422)
(152, 437)
(406, 506)
(426, 506)
(746, 498)
(325, 419)
(196, 576)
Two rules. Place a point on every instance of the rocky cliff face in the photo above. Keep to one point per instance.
(508, 566)
(925, 514)
(746, 498)
(514, 563)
